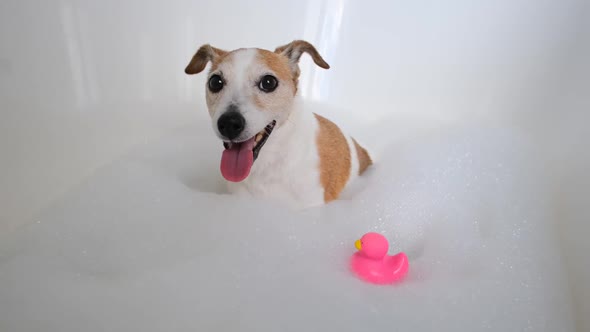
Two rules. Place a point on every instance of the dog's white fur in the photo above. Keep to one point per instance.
(287, 168)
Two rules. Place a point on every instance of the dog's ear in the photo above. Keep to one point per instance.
(296, 48)
(199, 61)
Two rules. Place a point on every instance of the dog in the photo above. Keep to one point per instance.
(273, 147)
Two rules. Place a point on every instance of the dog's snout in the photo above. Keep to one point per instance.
(231, 124)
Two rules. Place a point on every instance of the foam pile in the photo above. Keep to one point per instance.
(151, 243)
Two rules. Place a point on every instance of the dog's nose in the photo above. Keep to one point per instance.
(231, 124)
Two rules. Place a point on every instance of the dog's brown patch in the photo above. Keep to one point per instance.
(296, 48)
(279, 65)
(335, 163)
(216, 62)
(363, 157)
(221, 58)
(293, 51)
(204, 54)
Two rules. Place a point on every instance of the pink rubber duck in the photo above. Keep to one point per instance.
(371, 262)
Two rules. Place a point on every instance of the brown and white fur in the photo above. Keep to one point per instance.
(306, 160)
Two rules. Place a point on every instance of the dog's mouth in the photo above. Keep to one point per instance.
(238, 157)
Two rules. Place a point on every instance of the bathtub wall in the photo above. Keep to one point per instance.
(81, 82)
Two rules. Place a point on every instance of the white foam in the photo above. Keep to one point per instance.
(151, 243)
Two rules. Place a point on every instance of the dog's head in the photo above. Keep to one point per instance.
(249, 92)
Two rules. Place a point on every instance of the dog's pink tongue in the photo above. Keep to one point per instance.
(237, 161)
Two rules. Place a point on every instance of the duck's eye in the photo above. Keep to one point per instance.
(268, 83)
(216, 83)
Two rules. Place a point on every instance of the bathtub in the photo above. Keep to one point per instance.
(476, 113)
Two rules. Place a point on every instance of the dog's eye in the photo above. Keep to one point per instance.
(215, 83)
(268, 83)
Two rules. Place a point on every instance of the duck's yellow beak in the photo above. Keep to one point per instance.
(357, 244)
